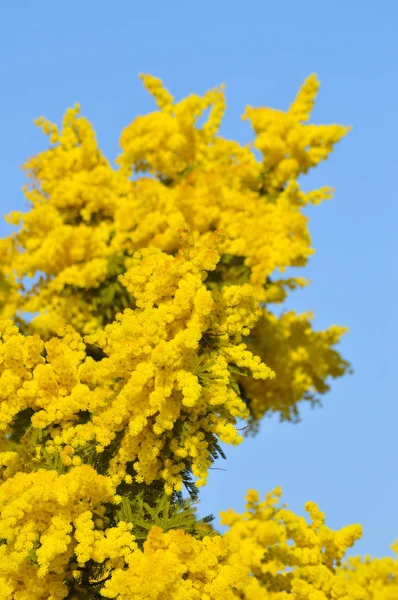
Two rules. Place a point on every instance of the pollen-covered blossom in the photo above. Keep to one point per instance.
(170, 360)
(176, 566)
(303, 360)
(151, 289)
(87, 219)
(290, 557)
(288, 145)
(268, 553)
(286, 554)
(53, 526)
(166, 379)
(47, 523)
(378, 576)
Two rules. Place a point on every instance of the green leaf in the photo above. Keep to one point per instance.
(165, 512)
(238, 370)
(21, 424)
(233, 385)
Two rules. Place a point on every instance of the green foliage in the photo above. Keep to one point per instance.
(20, 425)
(166, 512)
(49, 461)
(100, 460)
(231, 270)
(88, 584)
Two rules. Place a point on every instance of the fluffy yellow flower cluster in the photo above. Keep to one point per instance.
(175, 566)
(54, 526)
(289, 147)
(153, 334)
(286, 555)
(290, 558)
(49, 531)
(164, 389)
(378, 576)
(87, 219)
(303, 360)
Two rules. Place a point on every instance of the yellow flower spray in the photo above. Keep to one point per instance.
(147, 337)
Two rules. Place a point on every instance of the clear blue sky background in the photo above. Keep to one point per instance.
(343, 456)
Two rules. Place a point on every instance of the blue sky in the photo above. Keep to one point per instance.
(344, 455)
